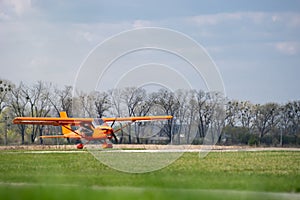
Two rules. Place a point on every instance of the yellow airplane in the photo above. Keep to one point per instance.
(89, 128)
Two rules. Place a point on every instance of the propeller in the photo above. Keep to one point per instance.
(119, 129)
(113, 133)
(112, 123)
(115, 137)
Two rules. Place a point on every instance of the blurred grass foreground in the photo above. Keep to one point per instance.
(220, 175)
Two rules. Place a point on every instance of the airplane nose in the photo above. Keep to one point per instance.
(106, 129)
(110, 131)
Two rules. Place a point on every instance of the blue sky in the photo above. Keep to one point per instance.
(255, 44)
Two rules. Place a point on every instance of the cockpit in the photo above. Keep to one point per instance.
(97, 122)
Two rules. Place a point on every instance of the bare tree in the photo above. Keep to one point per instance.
(266, 118)
(204, 112)
(38, 100)
(116, 108)
(191, 118)
(290, 118)
(18, 104)
(241, 114)
(133, 98)
(5, 89)
(182, 115)
(170, 106)
(217, 118)
(102, 103)
(232, 112)
(246, 115)
(286, 120)
(87, 105)
(61, 100)
(296, 117)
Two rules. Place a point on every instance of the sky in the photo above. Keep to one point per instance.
(255, 44)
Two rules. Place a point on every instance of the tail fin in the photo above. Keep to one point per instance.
(65, 129)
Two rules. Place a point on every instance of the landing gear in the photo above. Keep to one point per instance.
(107, 145)
(93, 143)
(79, 144)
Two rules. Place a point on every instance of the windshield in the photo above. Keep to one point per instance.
(97, 122)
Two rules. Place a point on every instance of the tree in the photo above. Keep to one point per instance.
(191, 117)
(170, 106)
(240, 113)
(217, 117)
(5, 89)
(286, 120)
(204, 112)
(116, 108)
(246, 115)
(295, 117)
(182, 115)
(141, 127)
(5, 92)
(37, 96)
(266, 118)
(290, 122)
(232, 110)
(86, 104)
(102, 103)
(61, 100)
(18, 104)
(133, 98)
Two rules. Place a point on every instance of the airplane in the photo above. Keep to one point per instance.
(90, 129)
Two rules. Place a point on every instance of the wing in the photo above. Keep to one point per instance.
(53, 121)
(62, 136)
(81, 121)
(137, 119)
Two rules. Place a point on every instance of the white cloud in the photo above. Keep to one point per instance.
(21, 6)
(204, 19)
(86, 35)
(293, 20)
(142, 23)
(289, 18)
(288, 48)
(94, 33)
(39, 61)
(17, 7)
(4, 16)
(215, 19)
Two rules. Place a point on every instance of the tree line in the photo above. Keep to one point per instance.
(195, 113)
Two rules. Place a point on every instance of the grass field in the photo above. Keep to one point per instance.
(220, 175)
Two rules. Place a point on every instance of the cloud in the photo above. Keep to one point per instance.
(20, 6)
(86, 35)
(213, 19)
(292, 19)
(4, 16)
(288, 48)
(15, 7)
(39, 61)
(142, 23)
(289, 18)
(94, 33)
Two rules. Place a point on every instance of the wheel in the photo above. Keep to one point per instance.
(79, 146)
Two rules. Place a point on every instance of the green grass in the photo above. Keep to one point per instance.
(230, 175)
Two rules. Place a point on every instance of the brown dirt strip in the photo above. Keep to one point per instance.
(152, 147)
